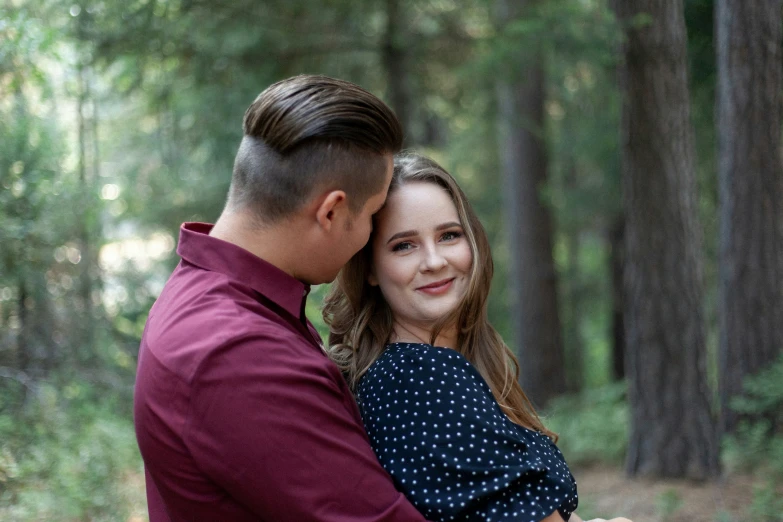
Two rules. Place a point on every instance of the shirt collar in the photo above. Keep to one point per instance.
(196, 246)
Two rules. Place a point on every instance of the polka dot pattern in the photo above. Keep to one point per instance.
(437, 429)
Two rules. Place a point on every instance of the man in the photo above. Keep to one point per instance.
(239, 414)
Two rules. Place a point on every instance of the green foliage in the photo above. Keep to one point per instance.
(39, 254)
(313, 310)
(758, 442)
(767, 503)
(65, 460)
(750, 447)
(592, 426)
(667, 503)
(763, 394)
(570, 31)
(757, 445)
(724, 516)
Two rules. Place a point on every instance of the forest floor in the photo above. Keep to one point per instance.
(607, 492)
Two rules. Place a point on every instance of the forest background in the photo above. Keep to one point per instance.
(624, 157)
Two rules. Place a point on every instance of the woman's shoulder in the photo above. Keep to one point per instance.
(419, 367)
(418, 358)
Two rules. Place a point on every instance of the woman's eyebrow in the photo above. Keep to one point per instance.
(409, 233)
(450, 224)
(405, 233)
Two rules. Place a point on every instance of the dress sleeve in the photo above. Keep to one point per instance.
(438, 430)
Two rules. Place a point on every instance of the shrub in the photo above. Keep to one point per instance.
(64, 460)
(592, 426)
(757, 444)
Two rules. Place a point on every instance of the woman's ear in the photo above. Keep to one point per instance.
(372, 279)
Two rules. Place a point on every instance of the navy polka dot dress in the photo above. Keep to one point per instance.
(437, 429)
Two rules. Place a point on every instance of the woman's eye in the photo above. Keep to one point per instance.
(405, 245)
(451, 235)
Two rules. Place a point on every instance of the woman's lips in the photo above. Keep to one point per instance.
(437, 288)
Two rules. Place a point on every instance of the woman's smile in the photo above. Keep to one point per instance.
(438, 287)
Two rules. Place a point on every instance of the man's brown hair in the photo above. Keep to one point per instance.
(311, 133)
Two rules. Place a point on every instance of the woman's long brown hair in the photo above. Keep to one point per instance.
(361, 322)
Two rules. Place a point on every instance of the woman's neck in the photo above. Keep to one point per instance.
(410, 333)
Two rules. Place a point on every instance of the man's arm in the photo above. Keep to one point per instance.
(270, 424)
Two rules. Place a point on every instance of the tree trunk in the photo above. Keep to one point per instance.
(616, 262)
(23, 341)
(574, 293)
(751, 192)
(672, 429)
(394, 61)
(36, 356)
(532, 273)
(85, 345)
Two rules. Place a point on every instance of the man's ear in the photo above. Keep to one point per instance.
(332, 204)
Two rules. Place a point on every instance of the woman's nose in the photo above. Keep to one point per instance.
(433, 259)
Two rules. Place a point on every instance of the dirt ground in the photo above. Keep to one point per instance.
(607, 492)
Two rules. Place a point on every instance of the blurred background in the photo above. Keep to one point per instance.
(624, 157)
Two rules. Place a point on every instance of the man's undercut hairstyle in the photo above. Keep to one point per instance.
(308, 134)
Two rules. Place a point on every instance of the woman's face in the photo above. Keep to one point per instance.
(421, 257)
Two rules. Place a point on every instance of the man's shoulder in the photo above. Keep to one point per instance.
(201, 313)
(191, 288)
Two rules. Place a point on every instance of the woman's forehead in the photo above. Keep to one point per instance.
(420, 203)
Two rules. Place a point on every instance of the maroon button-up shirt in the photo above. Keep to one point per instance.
(239, 414)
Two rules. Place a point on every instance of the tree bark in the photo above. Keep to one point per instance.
(751, 193)
(672, 429)
(84, 349)
(532, 275)
(23, 339)
(616, 262)
(574, 293)
(394, 61)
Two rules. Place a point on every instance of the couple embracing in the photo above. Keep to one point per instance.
(411, 412)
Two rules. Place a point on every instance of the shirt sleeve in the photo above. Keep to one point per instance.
(273, 426)
(438, 430)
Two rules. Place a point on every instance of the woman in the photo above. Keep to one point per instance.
(436, 385)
